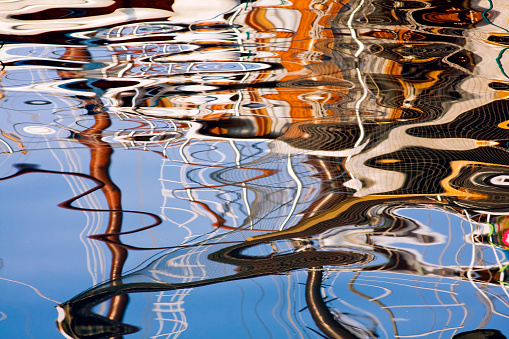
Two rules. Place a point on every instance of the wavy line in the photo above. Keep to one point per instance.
(67, 204)
(488, 20)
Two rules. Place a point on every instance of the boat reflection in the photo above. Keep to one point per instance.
(357, 148)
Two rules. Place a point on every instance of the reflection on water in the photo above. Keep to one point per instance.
(254, 169)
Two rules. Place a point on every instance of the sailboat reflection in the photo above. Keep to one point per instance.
(314, 138)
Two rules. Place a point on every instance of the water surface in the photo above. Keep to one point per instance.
(254, 169)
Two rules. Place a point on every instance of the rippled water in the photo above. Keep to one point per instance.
(254, 169)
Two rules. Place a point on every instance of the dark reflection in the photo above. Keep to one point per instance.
(487, 333)
(78, 310)
(357, 150)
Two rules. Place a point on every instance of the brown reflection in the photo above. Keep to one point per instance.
(321, 314)
(66, 13)
(100, 160)
(83, 13)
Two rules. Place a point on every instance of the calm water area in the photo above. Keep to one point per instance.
(254, 169)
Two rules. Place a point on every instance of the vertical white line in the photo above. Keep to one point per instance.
(237, 103)
(181, 151)
(189, 194)
(297, 194)
(353, 33)
(352, 30)
(288, 313)
(237, 153)
(358, 106)
(244, 188)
